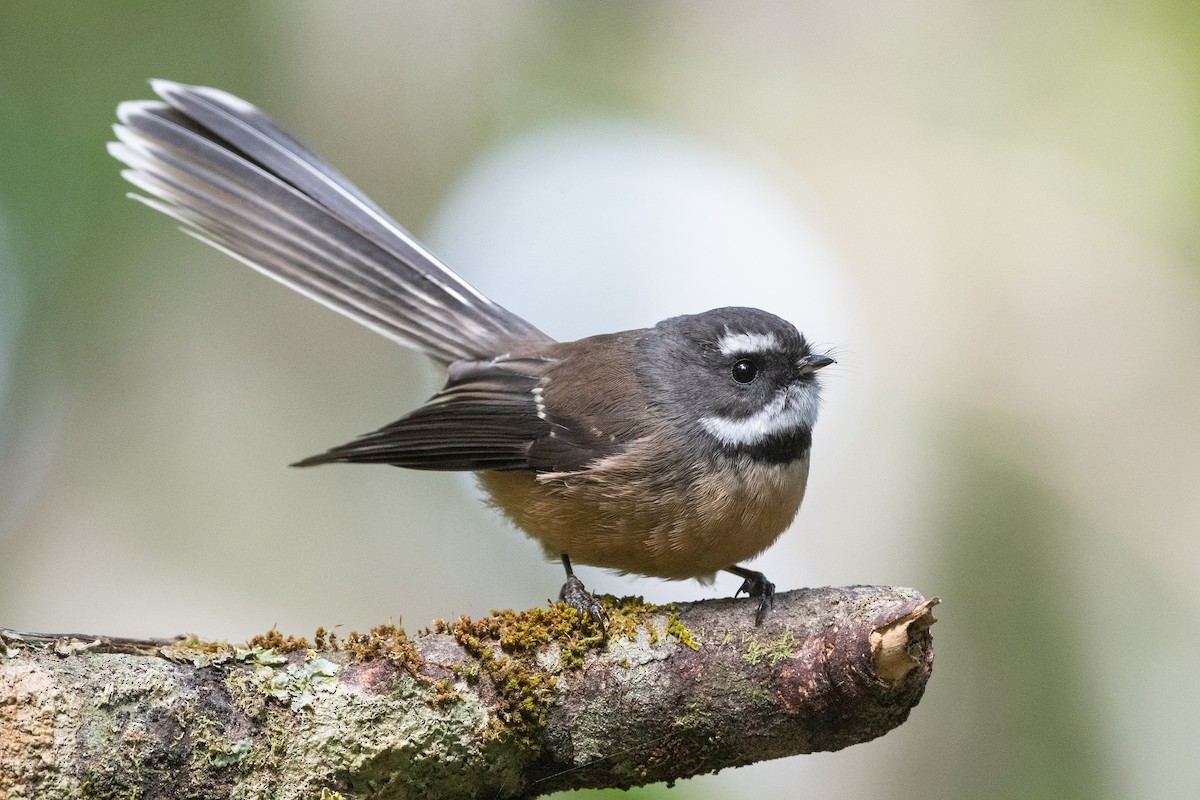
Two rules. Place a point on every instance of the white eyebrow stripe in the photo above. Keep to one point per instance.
(792, 408)
(733, 343)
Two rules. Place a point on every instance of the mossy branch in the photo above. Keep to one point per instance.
(512, 705)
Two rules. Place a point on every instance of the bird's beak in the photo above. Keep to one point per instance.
(814, 362)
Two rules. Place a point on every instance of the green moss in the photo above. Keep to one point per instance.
(696, 715)
(754, 652)
(383, 641)
(444, 694)
(780, 648)
(274, 640)
(506, 645)
(525, 691)
(680, 633)
(469, 674)
(783, 648)
(624, 616)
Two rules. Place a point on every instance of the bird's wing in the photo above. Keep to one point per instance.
(490, 416)
(239, 182)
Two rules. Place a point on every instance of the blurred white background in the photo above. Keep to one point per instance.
(988, 211)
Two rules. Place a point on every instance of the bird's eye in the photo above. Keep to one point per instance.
(744, 370)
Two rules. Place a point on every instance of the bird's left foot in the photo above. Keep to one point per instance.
(755, 584)
(577, 597)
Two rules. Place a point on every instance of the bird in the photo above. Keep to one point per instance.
(675, 451)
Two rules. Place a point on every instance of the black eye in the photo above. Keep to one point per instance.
(744, 370)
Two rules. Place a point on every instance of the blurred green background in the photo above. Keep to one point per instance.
(999, 207)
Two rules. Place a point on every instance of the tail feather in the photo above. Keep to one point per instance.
(243, 185)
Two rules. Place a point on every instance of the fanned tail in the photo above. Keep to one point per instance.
(239, 182)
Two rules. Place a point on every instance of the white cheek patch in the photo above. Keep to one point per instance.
(794, 407)
(734, 343)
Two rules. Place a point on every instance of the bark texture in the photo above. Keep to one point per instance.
(511, 705)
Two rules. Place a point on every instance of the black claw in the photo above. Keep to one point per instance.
(755, 584)
(577, 597)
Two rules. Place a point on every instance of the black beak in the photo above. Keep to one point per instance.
(814, 362)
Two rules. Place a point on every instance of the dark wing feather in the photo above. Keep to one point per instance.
(485, 419)
(571, 445)
(490, 416)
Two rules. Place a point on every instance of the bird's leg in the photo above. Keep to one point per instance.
(579, 598)
(755, 584)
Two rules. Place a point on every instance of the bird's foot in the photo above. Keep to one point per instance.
(577, 597)
(755, 584)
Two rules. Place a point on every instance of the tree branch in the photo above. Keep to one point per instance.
(512, 705)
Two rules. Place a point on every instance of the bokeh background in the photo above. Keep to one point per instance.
(989, 210)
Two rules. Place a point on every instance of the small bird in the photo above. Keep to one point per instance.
(675, 451)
